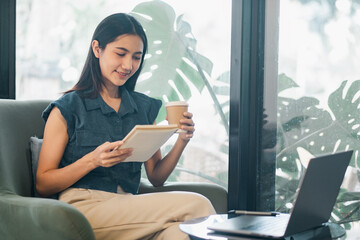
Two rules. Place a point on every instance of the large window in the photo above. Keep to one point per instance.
(294, 94)
(188, 59)
(318, 95)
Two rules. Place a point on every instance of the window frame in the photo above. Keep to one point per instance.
(247, 162)
(7, 47)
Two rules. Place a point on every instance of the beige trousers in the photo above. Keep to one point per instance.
(145, 216)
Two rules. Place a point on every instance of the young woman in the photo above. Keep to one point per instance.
(85, 125)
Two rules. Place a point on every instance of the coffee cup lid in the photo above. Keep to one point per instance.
(176, 103)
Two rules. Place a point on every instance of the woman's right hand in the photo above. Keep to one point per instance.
(109, 154)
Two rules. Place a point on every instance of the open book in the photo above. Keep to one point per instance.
(146, 140)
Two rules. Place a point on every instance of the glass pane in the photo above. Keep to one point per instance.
(318, 95)
(188, 59)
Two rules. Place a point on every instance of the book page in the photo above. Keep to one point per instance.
(146, 140)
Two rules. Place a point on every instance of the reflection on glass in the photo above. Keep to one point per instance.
(318, 95)
(188, 59)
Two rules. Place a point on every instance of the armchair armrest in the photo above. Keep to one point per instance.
(215, 193)
(38, 218)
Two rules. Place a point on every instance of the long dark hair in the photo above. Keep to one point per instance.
(90, 81)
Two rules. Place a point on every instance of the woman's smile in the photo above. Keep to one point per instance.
(120, 59)
(122, 74)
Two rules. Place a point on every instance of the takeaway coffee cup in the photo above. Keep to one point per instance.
(175, 112)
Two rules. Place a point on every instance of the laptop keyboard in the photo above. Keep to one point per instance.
(273, 224)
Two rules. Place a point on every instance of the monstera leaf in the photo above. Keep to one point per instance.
(221, 89)
(346, 109)
(172, 63)
(303, 125)
(297, 120)
(347, 206)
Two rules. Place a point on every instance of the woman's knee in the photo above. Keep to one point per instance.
(201, 206)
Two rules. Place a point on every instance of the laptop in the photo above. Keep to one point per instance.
(317, 194)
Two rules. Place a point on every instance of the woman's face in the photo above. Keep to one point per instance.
(120, 59)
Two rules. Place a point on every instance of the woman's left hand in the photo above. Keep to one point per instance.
(187, 125)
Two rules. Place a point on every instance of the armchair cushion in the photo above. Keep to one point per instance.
(40, 218)
(35, 147)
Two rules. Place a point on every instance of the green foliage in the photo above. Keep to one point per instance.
(173, 63)
(302, 124)
(347, 206)
(172, 58)
(222, 89)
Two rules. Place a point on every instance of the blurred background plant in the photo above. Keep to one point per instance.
(173, 62)
(305, 129)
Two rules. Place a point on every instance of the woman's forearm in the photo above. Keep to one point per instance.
(56, 180)
(165, 166)
(51, 179)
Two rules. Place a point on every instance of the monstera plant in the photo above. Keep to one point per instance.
(172, 61)
(303, 126)
(173, 68)
(172, 55)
